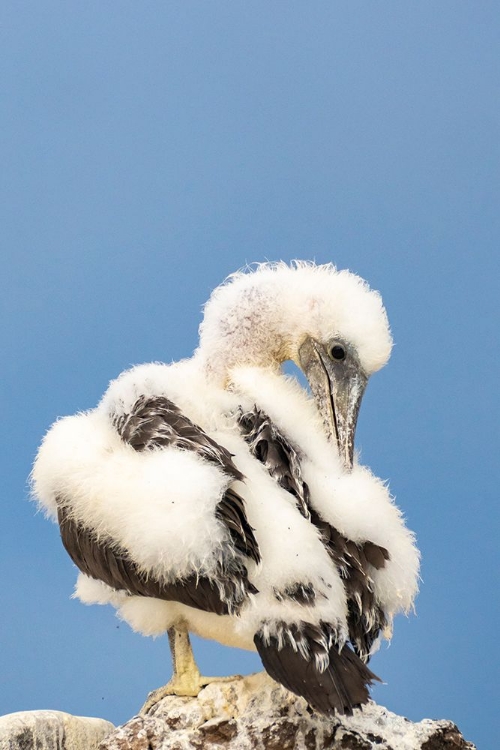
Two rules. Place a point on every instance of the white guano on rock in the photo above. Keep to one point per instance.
(51, 730)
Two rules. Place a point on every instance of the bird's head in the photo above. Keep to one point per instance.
(329, 322)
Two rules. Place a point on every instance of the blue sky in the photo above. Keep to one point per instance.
(148, 150)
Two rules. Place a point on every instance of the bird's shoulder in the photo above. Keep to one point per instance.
(150, 380)
(169, 406)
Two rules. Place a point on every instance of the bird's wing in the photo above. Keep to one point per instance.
(98, 557)
(354, 562)
(122, 505)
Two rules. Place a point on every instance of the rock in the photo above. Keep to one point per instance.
(256, 713)
(51, 730)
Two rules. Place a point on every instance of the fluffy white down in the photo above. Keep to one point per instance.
(153, 617)
(184, 383)
(261, 318)
(90, 591)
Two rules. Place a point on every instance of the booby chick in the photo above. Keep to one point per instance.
(217, 496)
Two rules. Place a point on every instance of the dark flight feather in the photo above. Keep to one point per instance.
(231, 511)
(305, 659)
(365, 617)
(279, 457)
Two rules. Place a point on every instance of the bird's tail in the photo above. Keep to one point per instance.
(305, 659)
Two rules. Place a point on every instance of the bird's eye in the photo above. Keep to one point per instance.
(338, 352)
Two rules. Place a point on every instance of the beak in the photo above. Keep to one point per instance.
(338, 388)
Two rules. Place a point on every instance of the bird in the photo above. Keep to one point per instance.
(220, 496)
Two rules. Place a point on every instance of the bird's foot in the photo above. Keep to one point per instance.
(183, 685)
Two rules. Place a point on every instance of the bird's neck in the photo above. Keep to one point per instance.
(221, 371)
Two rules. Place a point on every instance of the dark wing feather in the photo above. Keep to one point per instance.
(365, 617)
(99, 558)
(353, 561)
(279, 457)
(156, 422)
(231, 511)
(305, 659)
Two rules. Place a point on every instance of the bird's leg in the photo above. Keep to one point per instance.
(186, 675)
(186, 679)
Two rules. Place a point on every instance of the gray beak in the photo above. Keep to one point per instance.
(337, 386)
